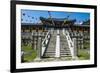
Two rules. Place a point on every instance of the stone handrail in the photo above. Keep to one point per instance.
(70, 43)
(45, 42)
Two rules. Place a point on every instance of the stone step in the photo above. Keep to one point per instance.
(50, 51)
(51, 47)
(65, 50)
(62, 48)
(60, 51)
(49, 55)
(66, 56)
(65, 53)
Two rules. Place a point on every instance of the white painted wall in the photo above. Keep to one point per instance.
(5, 35)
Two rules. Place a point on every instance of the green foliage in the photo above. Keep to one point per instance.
(30, 53)
(86, 45)
(30, 57)
(83, 54)
(27, 48)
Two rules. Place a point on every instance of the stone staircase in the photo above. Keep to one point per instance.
(50, 51)
(64, 49)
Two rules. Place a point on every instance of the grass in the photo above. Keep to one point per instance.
(86, 45)
(31, 54)
(30, 57)
(83, 54)
(27, 48)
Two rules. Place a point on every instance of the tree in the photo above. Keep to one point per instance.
(87, 22)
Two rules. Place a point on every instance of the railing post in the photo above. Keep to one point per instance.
(75, 48)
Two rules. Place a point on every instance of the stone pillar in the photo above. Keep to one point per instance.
(82, 43)
(39, 46)
(38, 50)
(33, 41)
(75, 47)
(64, 31)
(22, 56)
